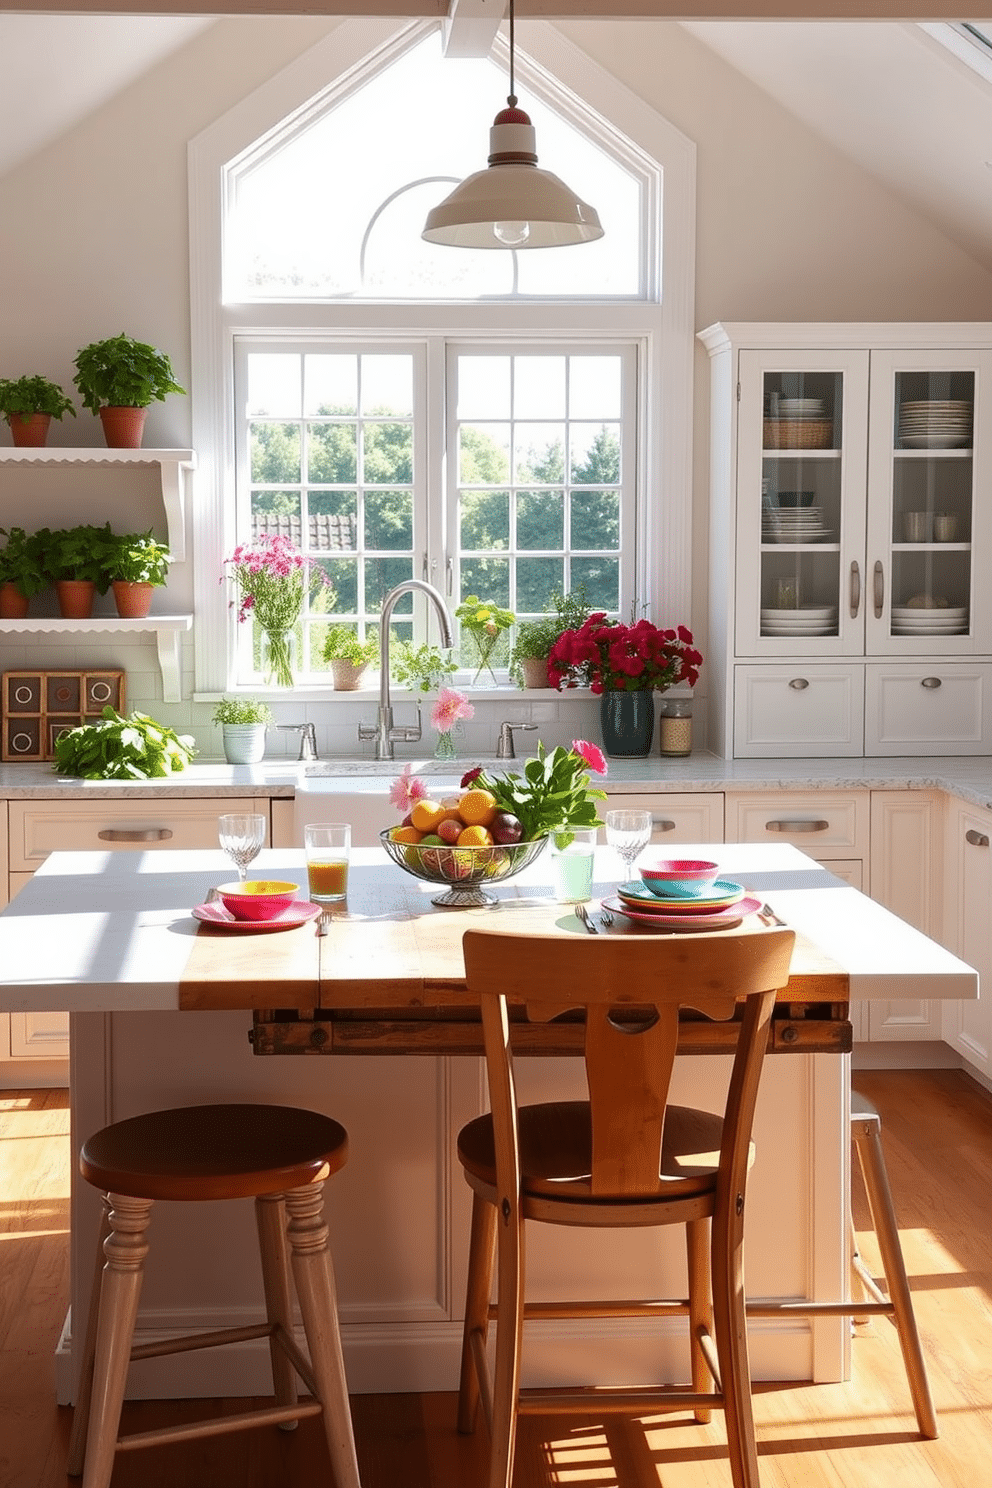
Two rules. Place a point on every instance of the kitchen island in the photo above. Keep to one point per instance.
(109, 937)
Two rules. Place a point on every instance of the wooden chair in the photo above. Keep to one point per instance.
(623, 1157)
(277, 1155)
(868, 1300)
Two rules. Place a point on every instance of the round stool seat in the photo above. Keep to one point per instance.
(214, 1152)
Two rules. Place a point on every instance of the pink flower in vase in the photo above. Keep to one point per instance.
(449, 708)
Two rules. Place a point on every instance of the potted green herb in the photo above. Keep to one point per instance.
(534, 639)
(123, 374)
(421, 668)
(29, 404)
(138, 564)
(77, 561)
(348, 655)
(21, 572)
(244, 721)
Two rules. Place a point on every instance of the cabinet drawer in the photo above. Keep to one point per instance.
(798, 710)
(38, 828)
(827, 824)
(696, 817)
(930, 708)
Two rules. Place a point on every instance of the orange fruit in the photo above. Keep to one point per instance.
(477, 808)
(404, 834)
(475, 836)
(426, 814)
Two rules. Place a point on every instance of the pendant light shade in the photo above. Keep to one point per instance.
(512, 204)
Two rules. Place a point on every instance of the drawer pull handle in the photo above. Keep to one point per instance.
(801, 824)
(855, 590)
(879, 590)
(930, 682)
(135, 834)
(799, 684)
(662, 824)
(977, 839)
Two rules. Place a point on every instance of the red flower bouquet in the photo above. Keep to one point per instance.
(608, 656)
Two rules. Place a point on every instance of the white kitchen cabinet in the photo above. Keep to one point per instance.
(32, 828)
(905, 876)
(827, 825)
(690, 817)
(968, 928)
(845, 532)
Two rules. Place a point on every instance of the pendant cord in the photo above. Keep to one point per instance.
(512, 98)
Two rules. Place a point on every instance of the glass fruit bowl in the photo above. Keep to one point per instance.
(463, 869)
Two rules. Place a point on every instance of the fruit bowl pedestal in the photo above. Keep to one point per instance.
(463, 869)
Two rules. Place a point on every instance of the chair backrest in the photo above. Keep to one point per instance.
(631, 989)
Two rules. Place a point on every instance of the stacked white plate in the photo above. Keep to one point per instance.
(799, 408)
(796, 524)
(808, 620)
(945, 620)
(936, 423)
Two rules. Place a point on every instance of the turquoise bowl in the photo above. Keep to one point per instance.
(680, 878)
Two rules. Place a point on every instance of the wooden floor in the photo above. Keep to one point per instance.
(937, 1129)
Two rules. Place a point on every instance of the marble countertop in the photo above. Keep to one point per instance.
(969, 777)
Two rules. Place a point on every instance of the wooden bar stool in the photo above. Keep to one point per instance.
(866, 1134)
(280, 1157)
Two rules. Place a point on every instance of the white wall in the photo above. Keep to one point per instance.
(93, 240)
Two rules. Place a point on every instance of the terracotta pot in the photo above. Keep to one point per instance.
(75, 598)
(29, 430)
(13, 604)
(133, 600)
(123, 427)
(535, 670)
(346, 675)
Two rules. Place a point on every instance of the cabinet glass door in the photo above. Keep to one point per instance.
(800, 448)
(924, 527)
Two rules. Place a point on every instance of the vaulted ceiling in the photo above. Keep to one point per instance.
(884, 92)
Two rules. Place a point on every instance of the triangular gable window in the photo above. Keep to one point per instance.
(332, 208)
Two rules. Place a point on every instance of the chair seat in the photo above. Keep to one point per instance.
(556, 1150)
(214, 1152)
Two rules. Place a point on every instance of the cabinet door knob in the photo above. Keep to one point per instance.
(977, 839)
(930, 682)
(801, 824)
(879, 587)
(855, 590)
(799, 684)
(135, 834)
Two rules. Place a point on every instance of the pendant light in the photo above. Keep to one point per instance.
(512, 204)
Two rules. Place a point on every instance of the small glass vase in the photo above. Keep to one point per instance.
(485, 645)
(445, 746)
(277, 657)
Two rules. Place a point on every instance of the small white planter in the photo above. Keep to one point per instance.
(244, 743)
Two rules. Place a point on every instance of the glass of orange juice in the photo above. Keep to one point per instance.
(328, 848)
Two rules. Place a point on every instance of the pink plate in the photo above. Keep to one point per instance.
(723, 919)
(298, 913)
(725, 894)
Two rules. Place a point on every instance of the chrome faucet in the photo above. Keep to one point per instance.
(384, 732)
(308, 738)
(504, 747)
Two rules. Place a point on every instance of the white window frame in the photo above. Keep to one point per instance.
(664, 331)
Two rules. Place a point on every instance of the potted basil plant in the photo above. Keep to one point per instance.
(138, 564)
(534, 639)
(21, 572)
(244, 721)
(29, 404)
(348, 656)
(76, 560)
(118, 379)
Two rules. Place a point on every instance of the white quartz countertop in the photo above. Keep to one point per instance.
(969, 777)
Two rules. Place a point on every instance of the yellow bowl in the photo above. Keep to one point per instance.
(258, 899)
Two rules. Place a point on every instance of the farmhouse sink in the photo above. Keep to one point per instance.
(323, 769)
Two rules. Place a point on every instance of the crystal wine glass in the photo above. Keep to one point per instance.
(628, 833)
(241, 837)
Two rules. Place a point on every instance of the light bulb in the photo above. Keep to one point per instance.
(512, 234)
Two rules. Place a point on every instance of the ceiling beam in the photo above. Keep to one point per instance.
(471, 26)
(617, 10)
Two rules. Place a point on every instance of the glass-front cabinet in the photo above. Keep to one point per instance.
(857, 523)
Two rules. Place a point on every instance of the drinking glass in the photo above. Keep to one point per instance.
(628, 833)
(573, 851)
(328, 848)
(241, 836)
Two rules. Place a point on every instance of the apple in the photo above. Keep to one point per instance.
(449, 830)
(506, 828)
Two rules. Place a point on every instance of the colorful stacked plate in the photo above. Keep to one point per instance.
(665, 918)
(722, 895)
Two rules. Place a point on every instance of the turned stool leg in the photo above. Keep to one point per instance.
(125, 1249)
(697, 1245)
(270, 1218)
(314, 1273)
(84, 1391)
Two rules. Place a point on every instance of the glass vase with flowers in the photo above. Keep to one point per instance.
(485, 622)
(625, 665)
(273, 578)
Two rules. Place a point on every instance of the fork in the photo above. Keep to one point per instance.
(583, 914)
